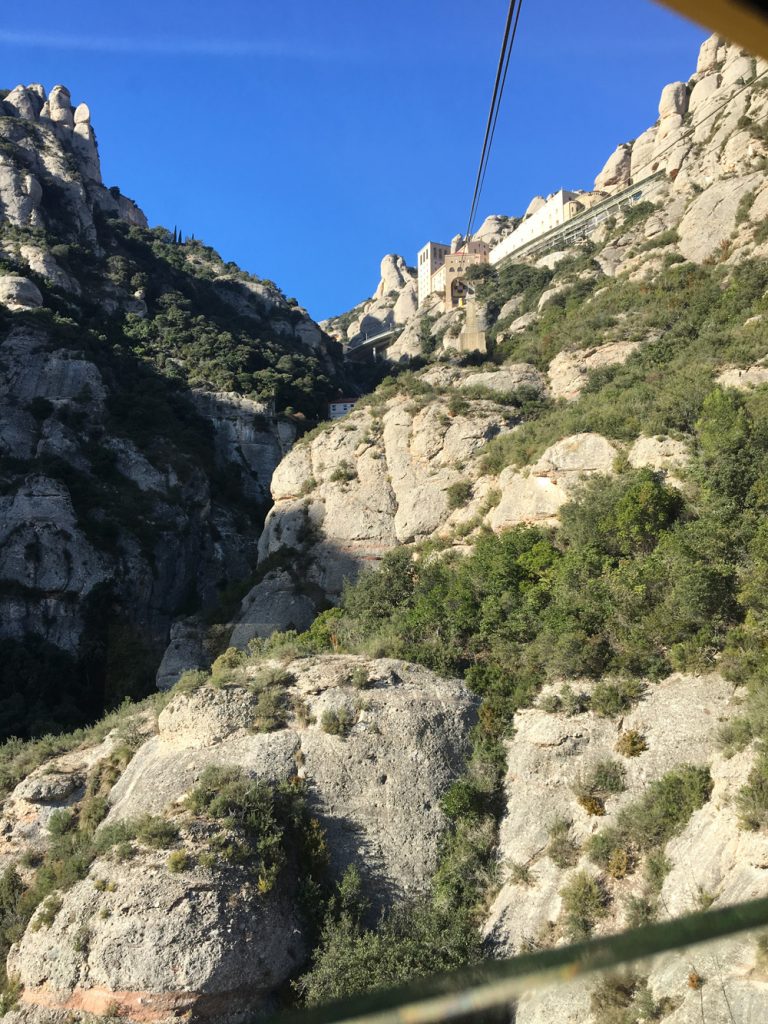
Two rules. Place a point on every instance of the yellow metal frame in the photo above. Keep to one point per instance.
(739, 21)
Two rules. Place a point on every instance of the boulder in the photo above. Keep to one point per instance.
(507, 379)
(19, 292)
(406, 303)
(569, 371)
(60, 106)
(663, 454)
(137, 941)
(744, 379)
(711, 217)
(275, 604)
(185, 651)
(534, 206)
(20, 194)
(82, 114)
(23, 103)
(535, 494)
(615, 174)
(394, 275)
(738, 70)
(711, 53)
(493, 229)
(674, 100)
(551, 293)
(703, 92)
(376, 789)
(642, 154)
(523, 322)
(568, 460)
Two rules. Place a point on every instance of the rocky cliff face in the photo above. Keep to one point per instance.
(174, 923)
(383, 476)
(393, 302)
(709, 142)
(409, 469)
(140, 395)
(586, 805)
(710, 862)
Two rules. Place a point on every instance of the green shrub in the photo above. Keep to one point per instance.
(191, 680)
(584, 903)
(647, 824)
(459, 494)
(610, 699)
(337, 721)
(752, 799)
(520, 874)
(46, 915)
(269, 676)
(745, 205)
(155, 832)
(639, 911)
(261, 826)
(573, 703)
(657, 867)
(612, 996)
(179, 861)
(359, 677)
(562, 849)
(226, 664)
(602, 779)
(344, 473)
(666, 807)
(631, 743)
(270, 711)
(735, 735)
(550, 702)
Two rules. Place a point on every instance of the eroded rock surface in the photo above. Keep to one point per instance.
(140, 939)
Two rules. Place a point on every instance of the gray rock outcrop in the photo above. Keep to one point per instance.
(615, 173)
(137, 939)
(678, 719)
(19, 292)
(569, 371)
(361, 487)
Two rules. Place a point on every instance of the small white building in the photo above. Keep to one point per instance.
(340, 407)
(556, 211)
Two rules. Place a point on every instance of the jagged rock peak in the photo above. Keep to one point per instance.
(72, 126)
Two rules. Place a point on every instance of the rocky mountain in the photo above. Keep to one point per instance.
(394, 303)
(499, 682)
(148, 391)
(392, 471)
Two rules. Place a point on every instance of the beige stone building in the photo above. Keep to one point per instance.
(442, 269)
(552, 213)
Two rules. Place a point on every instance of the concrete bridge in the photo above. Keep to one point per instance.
(363, 346)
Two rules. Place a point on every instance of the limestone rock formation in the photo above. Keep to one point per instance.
(160, 944)
(678, 719)
(277, 602)
(147, 942)
(744, 379)
(356, 490)
(133, 486)
(569, 371)
(393, 303)
(535, 495)
(19, 292)
(247, 436)
(615, 174)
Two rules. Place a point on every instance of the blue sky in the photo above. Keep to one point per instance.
(304, 140)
